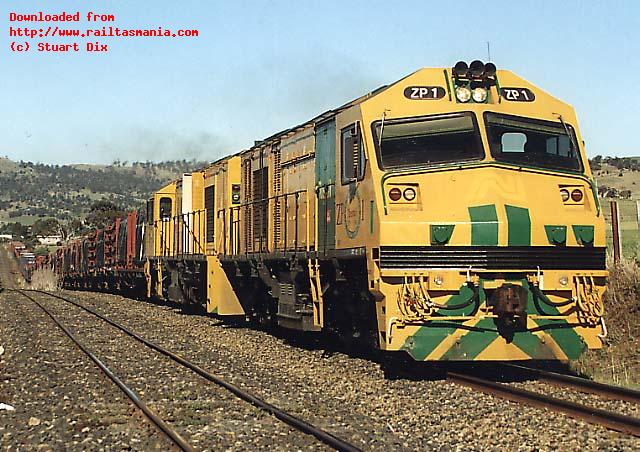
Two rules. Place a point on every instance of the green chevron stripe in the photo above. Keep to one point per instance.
(519, 226)
(532, 345)
(566, 337)
(472, 343)
(427, 338)
(484, 225)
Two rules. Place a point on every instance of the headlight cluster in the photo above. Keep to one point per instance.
(478, 94)
(396, 194)
(472, 82)
(576, 195)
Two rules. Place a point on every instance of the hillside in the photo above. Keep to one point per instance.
(617, 177)
(29, 191)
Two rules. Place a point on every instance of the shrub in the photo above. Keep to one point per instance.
(619, 360)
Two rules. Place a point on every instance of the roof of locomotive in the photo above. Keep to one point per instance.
(326, 115)
(330, 113)
(317, 119)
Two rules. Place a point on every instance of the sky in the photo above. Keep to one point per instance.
(258, 67)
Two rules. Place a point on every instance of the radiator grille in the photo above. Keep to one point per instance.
(494, 258)
(209, 205)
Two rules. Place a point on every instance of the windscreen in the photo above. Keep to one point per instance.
(426, 141)
(532, 142)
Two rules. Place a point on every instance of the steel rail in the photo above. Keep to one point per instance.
(581, 384)
(611, 420)
(289, 419)
(153, 417)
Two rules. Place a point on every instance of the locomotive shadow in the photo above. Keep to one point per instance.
(401, 368)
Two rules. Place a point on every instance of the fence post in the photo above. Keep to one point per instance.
(615, 227)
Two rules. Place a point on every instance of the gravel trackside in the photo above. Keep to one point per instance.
(61, 399)
(351, 397)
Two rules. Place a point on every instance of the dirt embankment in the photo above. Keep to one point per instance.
(10, 276)
(619, 361)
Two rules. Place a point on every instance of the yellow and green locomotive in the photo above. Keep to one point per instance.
(451, 215)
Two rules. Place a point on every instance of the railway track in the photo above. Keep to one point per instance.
(289, 419)
(580, 384)
(156, 420)
(609, 419)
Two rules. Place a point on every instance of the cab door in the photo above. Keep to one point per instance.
(325, 185)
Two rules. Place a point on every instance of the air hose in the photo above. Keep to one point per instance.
(536, 290)
(452, 307)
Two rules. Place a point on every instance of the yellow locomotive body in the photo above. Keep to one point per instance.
(451, 215)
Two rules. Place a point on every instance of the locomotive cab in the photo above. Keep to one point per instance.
(486, 237)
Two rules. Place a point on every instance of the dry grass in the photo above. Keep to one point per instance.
(44, 279)
(619, 361)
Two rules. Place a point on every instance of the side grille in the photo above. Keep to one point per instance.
(494, 258)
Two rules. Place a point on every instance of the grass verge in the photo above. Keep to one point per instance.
(618, 362)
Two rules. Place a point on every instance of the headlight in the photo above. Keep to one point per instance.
(476, 68)
(463, 94)
(409, 194)
(461, 69)
(563, 280)
(576, 195)
(565, 194)
(479, 94)
(395, 194)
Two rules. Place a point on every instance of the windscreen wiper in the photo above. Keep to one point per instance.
(574, 145)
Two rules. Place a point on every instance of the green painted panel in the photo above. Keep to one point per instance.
(519, 226)
(583, 233)
(325, 180)
(441, 233)
(556, 234)
(484, 225)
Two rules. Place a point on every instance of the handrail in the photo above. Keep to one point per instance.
(256, 239)
(187, 231)
(245, 213)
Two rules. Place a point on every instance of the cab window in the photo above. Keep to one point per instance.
(533, 142)
(165, 208)
(431, 140)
